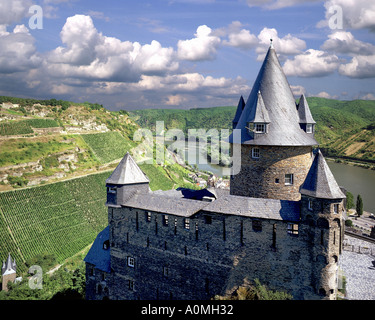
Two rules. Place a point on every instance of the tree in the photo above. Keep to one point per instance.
(359, 206)
(349, 200)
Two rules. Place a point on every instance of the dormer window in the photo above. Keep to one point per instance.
(112, 190)
(309, 128)
(260, 128)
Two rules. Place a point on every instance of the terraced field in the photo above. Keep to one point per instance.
(108, 146)
(60, 218)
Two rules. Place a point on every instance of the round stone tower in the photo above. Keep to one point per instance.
(277, 137)
(322, 226)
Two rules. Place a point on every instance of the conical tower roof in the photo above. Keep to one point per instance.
(320, 182)
(259, 112)
(284, 128)
(240, 107)
(304, 111)
(127, 172)
(9, 266)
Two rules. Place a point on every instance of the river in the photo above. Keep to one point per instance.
(357, 180)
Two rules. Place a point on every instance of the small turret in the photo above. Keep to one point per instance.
(322, 208)
(8, 272)
(240, 107)
(306, 122)
(259, 119)
(124, 181)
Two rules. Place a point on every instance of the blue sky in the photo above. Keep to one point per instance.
(183, 53)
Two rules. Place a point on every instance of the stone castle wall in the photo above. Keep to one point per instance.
(265, 177)
(213, 256)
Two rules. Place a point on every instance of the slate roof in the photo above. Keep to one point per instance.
(98, 256)
(256, 207)
(9, 266)
(127, 172)
(259, 113)
(181, 203)
(284, 128)
(320, 182)
(304, 111)
(240, 107)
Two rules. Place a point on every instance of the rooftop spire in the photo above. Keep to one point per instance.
(9, 266)
(127, 172)
(240, 107)
(279, 102)
(271, 44)
(304, 111)
(320, 182)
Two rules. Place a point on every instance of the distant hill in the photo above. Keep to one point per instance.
(344, 128)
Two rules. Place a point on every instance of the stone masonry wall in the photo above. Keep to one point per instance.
(265, 177)
(213, 256)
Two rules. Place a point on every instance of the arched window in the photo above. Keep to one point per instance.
(323, 223)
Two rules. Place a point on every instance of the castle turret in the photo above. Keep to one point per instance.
(8, 272)
(322, 208)
(306, 122)
(125, 180)
(240, 107)
(276, 152)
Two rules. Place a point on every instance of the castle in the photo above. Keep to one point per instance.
(281, 222)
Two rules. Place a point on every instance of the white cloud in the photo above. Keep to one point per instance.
(17, 51)
(237, 36)
(298, 90)
(326, 95)
(287, 45)
(344, 42)
(202, 47)
(368, 96)
(311, 63)
(88, 54)
(358, 14)
(359, 67)
(12, 11)
(277, 4)
(175, 100)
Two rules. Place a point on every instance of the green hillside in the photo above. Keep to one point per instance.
(344, 128)
(54, 159)
(60, 218)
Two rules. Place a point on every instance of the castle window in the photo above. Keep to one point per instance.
(165, 271)
(260, 128)
(277, 180)
(257, 225)
(106, 245)
(293, 229)
(165, 220)
(148, 216)
(112, 190)
(336, 207)
(289, 179)
(310, 205)
(208, 219)
(309, 128)
(255, 153)
(131, 262)
(187, 223)
(131, 285)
